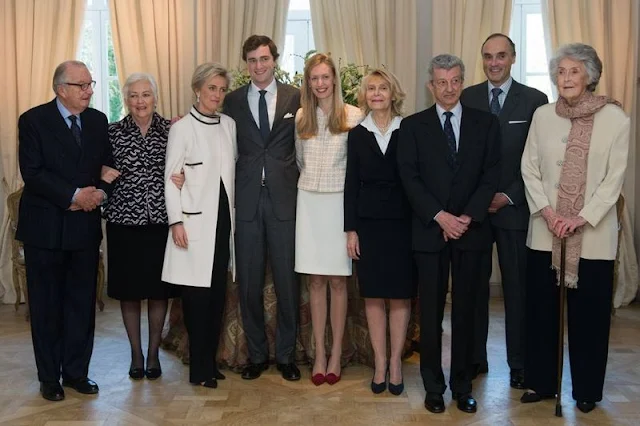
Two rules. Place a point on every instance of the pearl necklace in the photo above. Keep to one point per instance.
(383, 129)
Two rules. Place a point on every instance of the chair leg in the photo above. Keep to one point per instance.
(16, 287)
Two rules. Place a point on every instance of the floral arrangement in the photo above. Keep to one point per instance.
(350, 78)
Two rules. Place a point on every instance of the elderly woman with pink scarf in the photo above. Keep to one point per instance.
(573, 167)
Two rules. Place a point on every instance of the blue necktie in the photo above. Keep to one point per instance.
(263, 116)
(495, 101)
(451, 138)
(75, 130)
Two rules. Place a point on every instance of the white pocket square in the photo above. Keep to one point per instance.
(288, 115)
(517, 121)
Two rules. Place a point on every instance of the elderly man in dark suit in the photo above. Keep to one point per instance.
(62, 146)
(266, 178)
(449, 163)
(514, 104)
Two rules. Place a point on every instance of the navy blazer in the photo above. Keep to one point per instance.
(432, 184)
(372, 189)
(52, 167)
(515, 118)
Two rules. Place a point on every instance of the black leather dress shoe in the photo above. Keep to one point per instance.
(253, 371)
(480, 368)
(585, 406)
(434, 402)
(85, 386)
(289, 371)
(466, 402)
(153, 373)
(136, 373)
(516, 380)
(51, 391)
(218, 375)
(531, 396)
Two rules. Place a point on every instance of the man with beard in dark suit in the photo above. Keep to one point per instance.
(63, 145)
(514, 104)
(266, 179)
(449, 163)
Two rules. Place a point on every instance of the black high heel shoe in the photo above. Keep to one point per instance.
(396, 389)
(136, 373)
(153, 373)
(379, 387)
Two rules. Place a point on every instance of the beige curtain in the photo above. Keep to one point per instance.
(169, 38)
(36, 37)
(460, 27)
(152, 36)
(242, 18)
(611, 28)
(370, 32)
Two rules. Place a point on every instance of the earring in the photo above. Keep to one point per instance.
(197, 97)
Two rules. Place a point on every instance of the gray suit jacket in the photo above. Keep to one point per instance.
(515, 119)
(276, 156)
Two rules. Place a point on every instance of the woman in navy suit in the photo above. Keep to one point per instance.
(377, 219)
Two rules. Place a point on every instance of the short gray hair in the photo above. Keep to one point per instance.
(207, 70)
(136, 77)
(445, 61)
(581, 53)
(60, 74)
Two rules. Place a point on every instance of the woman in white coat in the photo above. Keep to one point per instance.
(203, 144)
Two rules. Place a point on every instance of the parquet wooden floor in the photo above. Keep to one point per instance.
(272, 401)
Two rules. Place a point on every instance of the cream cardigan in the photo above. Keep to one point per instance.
(541, 165)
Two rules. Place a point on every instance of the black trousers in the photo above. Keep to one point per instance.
(254, 239)
(512, 257)
(588, 321)
(433, 280)
(62, 299)
(203, 307)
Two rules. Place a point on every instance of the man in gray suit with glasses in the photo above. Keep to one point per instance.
(266, 180)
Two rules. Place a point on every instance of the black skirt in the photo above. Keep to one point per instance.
(135, 256)
(385, 269)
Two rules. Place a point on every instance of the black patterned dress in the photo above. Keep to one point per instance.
(135, 212)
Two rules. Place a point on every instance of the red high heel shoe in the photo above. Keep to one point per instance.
(332, 379)
(318, 379)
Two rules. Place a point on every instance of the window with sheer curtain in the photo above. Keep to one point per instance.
(531, 67)
(298, 38)
(96, 50)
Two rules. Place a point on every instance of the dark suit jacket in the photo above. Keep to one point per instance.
(432, 184)
(277, 156)
(52, 167)
(515, 119)
(372, 189)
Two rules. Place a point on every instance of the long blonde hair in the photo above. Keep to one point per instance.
(307, 125)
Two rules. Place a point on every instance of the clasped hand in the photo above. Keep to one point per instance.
(561, 226)
(87, 199)
(453, 227)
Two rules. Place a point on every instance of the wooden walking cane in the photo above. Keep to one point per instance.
(563, 293)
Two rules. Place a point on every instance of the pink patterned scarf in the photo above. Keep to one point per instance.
(573, 177)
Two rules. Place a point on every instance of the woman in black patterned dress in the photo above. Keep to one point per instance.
(137, 220)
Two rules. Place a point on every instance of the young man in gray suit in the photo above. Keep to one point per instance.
(266, 179)
(514, 104)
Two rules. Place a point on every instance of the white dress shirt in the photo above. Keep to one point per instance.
(382, 140)
(253, 97)
(456, 119)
